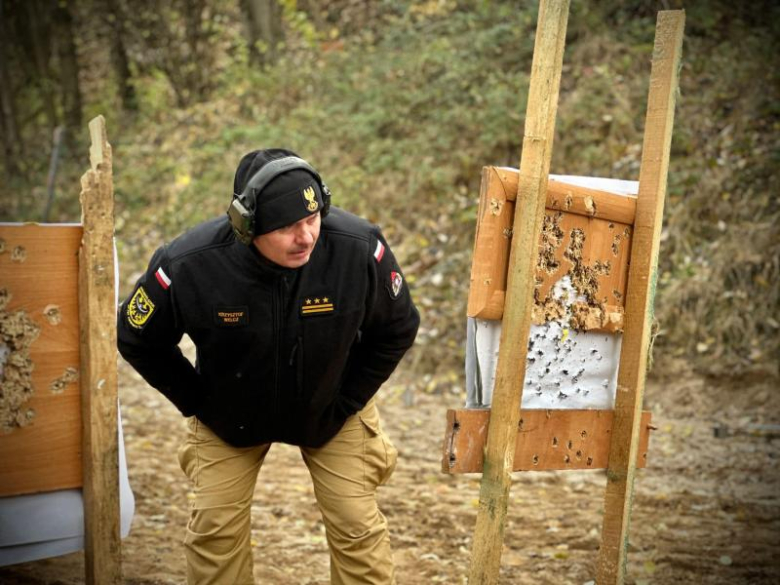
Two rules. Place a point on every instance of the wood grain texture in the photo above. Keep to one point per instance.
(640, 292)
(573, 198)
(591, 202)
(490, 262)
(46, 455)
(534, 170)
(97, 309)
(546, 440)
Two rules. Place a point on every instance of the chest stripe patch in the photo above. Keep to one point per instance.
(317, 306)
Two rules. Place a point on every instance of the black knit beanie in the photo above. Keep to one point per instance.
(287, 199)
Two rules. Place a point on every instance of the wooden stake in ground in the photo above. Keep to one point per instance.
(97, 319)
(640, 293)
(534, 170)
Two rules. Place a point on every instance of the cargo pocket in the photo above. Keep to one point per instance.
(380, 454)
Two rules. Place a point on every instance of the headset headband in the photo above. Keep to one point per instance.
(272, 170)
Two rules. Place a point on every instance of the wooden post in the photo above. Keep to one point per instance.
(97, 319)
(640, 293)
(534, 170)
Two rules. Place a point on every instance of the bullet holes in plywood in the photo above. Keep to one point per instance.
(22, 323)
(552, 236)
(53, 314)
(17, 333)
(40, 402)
(573, 452)
(548, 439)
(19, 254)
(58, 385)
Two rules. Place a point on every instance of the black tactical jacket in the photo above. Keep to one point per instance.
(282, 354)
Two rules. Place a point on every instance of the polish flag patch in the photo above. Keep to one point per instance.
(162, 278)
(379, 252)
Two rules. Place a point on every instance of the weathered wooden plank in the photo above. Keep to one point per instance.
(591, 202)
(97, 310)
(641, 289)
(576, 199)
(534, 169)
(39, 278)
(546, 440)
(493, 239)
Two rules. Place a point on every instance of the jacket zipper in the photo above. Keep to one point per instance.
(279, 314)
(277, 350)
(296, 365)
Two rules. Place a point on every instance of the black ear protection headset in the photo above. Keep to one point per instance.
(242, 208)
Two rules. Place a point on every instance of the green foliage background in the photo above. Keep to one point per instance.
(400, 113)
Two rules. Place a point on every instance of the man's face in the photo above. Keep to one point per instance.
(292, 245)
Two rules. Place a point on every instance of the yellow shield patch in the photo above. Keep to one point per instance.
(139, 309)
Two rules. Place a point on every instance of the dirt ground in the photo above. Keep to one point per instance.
(706, 509)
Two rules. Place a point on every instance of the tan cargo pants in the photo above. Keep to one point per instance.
(345, 473)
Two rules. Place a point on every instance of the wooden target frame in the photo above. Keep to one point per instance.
(506, 438)
(40, 275)
(60, 279)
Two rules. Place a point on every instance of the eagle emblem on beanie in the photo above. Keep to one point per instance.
(311, 199)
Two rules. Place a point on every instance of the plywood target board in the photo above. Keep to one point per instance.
(40, 406)
(585, 242)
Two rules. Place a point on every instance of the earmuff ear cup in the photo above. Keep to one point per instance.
(325, 199)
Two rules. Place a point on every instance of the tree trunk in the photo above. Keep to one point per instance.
(124, 81)
(264, 30)
(314, 10)
(8, 126)
(196, 38)
(69, 65)
(38, 15)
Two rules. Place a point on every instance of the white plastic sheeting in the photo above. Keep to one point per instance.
(564, 368)
(39, 526)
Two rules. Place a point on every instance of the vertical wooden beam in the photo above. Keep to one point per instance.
(97, 318)
(534, 170)
(639, 296)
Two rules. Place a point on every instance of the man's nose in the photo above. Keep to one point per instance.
(304, 235)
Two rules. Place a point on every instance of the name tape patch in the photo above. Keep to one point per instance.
(231, 316)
